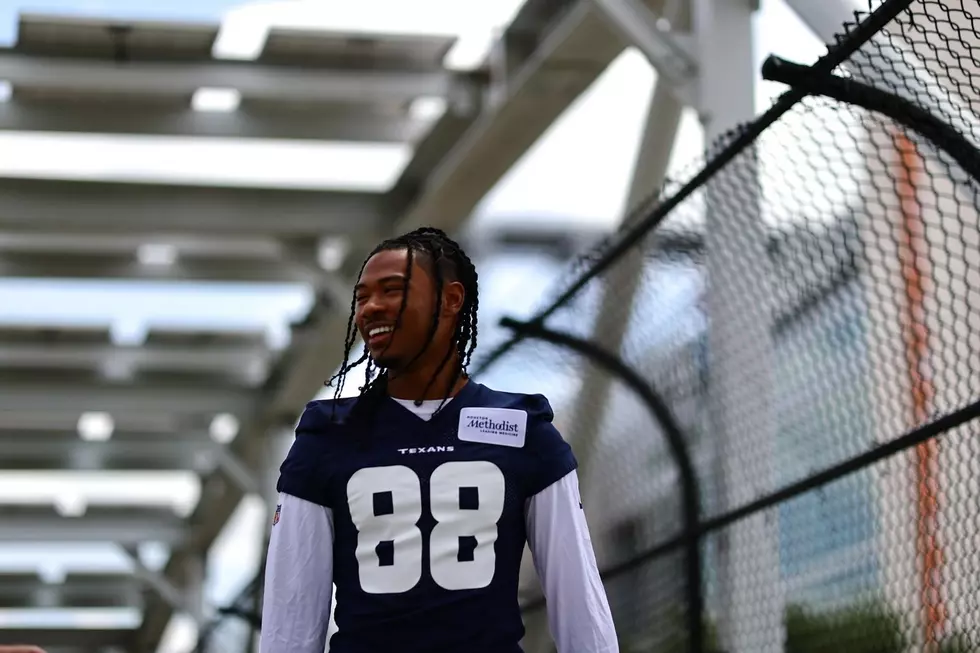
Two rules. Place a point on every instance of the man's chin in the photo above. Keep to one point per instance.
(387, 361)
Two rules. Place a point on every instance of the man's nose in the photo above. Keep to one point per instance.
(372, 306)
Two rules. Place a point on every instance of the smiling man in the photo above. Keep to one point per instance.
(417, 496)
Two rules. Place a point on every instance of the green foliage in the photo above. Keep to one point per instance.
(869, 628)
(669, 635)
(865, 628)
(676, 640)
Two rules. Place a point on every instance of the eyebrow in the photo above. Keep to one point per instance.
(391, 277)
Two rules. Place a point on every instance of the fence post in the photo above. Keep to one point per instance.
(740, 347)
(690, 495)
(621, 284)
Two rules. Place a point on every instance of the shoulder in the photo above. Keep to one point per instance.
(324, 416)
(547, 456)
(536, 406)
(307, 465)
(320, 424)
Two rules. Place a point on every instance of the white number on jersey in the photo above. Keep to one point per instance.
(397, 527)
(461, 552)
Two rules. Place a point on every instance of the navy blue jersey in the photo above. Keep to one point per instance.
(429, 516)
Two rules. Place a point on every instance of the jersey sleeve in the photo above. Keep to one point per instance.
(578, 612)
(306, 471)
(549, 456)
(298, 578)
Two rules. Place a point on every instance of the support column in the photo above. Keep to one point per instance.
(666, 50)
(747, 600)
(190, 600)
(622, 281)
(195, 574)
(236, 469)
(619, 289)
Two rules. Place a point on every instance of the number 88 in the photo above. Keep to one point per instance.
(386, 504)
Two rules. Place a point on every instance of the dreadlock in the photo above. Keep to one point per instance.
(449, 263)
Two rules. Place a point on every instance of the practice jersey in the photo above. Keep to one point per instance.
(428, 516)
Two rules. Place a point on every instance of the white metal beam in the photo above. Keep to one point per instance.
(213, 357)
(64, 450)
(99, 524)
(240, 473)
(142, 119)
(77, 590)
(654, 37)
(76, 241)
(123, 208)
(67, 266)
(57, 396)
(137, 422)
(174, 596)
(253, 80)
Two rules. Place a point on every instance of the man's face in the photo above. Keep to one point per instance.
(378, 299)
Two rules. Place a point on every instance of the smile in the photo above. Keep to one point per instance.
(377, 331)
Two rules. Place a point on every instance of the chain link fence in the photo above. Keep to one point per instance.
(807, 304)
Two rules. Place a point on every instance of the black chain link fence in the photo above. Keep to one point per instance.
(806, 303)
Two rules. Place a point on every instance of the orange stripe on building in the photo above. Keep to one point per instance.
(913, 256)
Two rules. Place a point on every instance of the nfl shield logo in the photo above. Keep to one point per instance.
(275, 518)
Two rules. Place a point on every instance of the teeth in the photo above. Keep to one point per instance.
(377, 330)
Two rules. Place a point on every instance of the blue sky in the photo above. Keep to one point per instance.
(576, 175)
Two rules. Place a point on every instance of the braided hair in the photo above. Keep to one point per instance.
(449, 263)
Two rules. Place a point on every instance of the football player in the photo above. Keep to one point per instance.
(416, 497)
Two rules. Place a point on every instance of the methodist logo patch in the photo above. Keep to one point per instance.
(275, 517)
(502, 426)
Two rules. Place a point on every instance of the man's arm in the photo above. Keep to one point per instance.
(298, 578)
(558, 536)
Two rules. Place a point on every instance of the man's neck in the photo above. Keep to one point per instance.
(410, 385)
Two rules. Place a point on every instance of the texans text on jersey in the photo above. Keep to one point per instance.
(415, 450)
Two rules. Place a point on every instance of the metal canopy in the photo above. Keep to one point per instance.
(75, 590)
(305, 85)
(41, 205)
(254, 119)
(53, 449)
(41, 34)
(125, 525)
(88, 78)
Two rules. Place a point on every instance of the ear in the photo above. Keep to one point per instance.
(453, 295)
